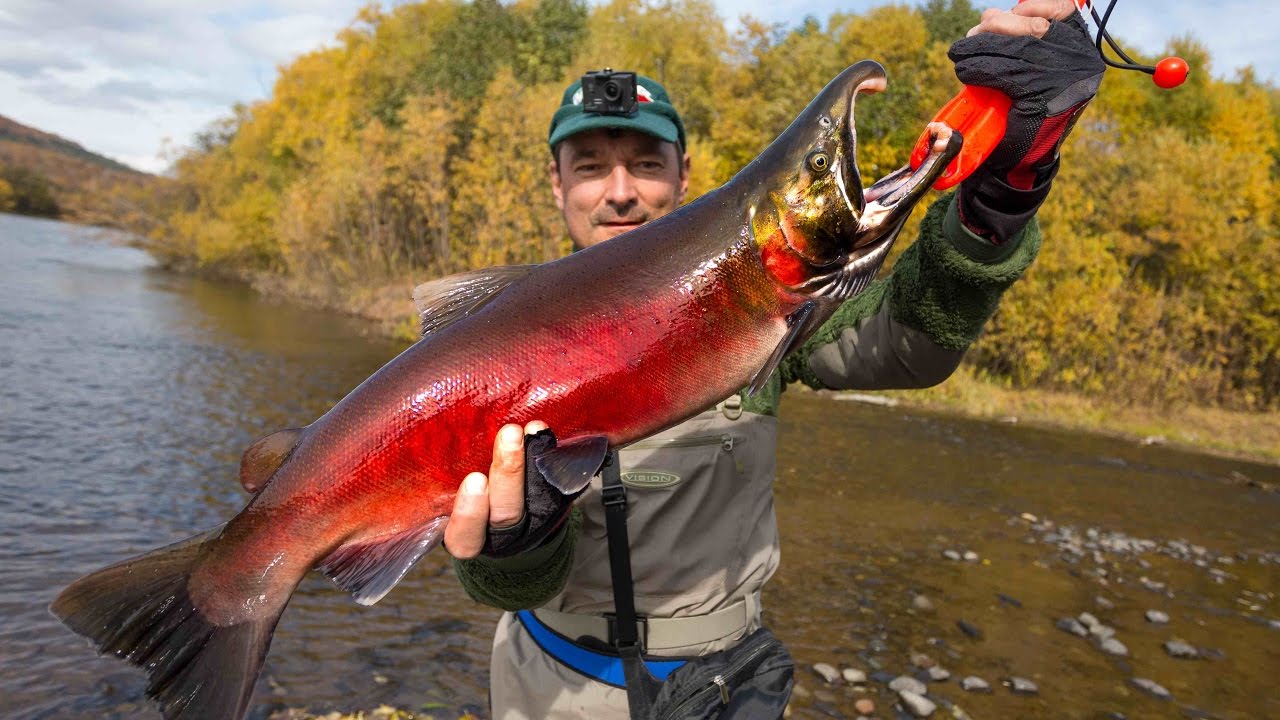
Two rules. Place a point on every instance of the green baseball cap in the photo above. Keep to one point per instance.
(657, 116)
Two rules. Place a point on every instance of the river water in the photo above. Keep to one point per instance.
(127, 394)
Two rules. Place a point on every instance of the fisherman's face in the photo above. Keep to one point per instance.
(609, 181)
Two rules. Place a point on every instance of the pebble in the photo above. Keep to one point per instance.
(865, 706)
(1073, 626)
(1023, 686)
(973, 683)
(922, 661)
(825, 696)
(828, 672)
(381, 679)
(909, 684)
(922, 603)
(938, 674)
(1157, 617)
(1112, 646)
(1104, 603)
(970, 556)
(969, 629)
(1274, 624)
(1181, 649)
(1088, 620)
(919, 705)
(951, 555)
(1151, 687)
(1007, 600)
(854, 676)
(1102, 632)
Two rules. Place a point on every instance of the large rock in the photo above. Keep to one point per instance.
(1181, 649)
(908, 683)
(973, 683)
(918, 705)
(828, 672)
(1152, 687)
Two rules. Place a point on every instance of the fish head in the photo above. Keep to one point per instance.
(819, 233)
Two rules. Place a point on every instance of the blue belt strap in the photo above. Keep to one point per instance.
(598, 665)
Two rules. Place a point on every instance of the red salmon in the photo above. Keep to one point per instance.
(607, 345)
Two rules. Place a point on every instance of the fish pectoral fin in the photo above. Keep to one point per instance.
(369, 569)
(447, 300)
(265, 456)
(571, 464)
(797, 322)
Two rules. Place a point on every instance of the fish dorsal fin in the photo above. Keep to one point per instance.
(369, 569)
(449, 299)
(264, 457)
(796, 324)
(571, 464)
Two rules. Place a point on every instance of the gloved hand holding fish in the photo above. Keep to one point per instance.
(607, 346)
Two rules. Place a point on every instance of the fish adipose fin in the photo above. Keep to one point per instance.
(140, 610)
(571, 464)
(449, 299)
(263, 458)
(797, 323)
(369, 569)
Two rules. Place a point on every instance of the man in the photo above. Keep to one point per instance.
(704, 536)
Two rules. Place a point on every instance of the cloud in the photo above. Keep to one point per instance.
(119, 77)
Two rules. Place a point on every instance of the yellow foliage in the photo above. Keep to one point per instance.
(6, 196)
(404, 151)
(504, 209)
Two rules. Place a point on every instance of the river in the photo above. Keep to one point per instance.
(128, 394)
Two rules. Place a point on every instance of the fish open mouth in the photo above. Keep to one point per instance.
(885, 207)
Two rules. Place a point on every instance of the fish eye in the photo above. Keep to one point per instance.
(824, 121)
(818, 161)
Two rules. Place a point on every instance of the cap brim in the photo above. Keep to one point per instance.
(645, 122)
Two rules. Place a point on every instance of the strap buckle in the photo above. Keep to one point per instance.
(614, 495)
(641, 632)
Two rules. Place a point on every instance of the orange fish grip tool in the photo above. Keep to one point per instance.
(981, 114)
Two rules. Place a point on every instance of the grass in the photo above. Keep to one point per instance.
(1230, 433)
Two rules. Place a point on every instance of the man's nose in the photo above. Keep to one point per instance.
(620, 191)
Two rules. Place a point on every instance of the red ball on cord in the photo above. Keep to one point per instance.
(1170, 72)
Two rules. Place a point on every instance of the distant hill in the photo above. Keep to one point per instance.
(86, 187)
(15, 132)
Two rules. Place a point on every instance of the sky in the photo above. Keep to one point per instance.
(135, 79)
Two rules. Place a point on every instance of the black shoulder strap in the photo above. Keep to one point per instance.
(642, 686)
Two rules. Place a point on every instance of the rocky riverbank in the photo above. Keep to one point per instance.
(1152, 610)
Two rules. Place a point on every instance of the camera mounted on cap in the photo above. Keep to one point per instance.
(605, 92)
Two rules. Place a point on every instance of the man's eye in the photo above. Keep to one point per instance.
(587, 168)
(650, 165)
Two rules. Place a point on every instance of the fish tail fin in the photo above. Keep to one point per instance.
(140, 610)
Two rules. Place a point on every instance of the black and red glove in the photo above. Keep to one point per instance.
(1050, 80)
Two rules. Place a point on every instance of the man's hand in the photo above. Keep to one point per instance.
(496, 501)
(1041, 56)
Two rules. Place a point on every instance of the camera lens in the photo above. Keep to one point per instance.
(612, 91)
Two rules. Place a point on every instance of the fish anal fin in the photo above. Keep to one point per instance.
(368, 569)
(446, 300)
(261, 460)
(571, 464)
(797, 322)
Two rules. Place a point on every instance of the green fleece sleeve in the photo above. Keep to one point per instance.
(527, 580)
(933, 305)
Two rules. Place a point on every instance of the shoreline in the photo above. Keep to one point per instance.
(1230, 434)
